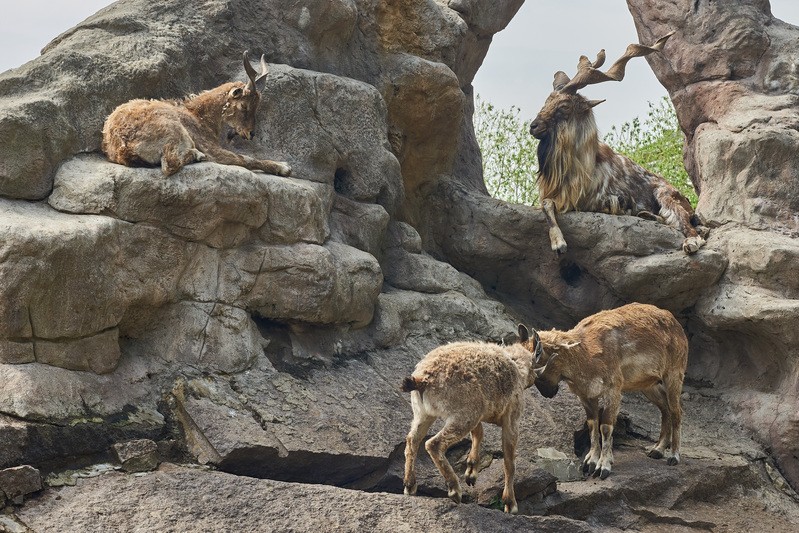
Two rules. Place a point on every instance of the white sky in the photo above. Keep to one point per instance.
(545, 36)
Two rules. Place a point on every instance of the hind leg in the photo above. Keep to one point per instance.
(453, 431)
(676, 211)
(421, 423)
(673, 385)
(657, 395)
(473, 459)
(178, 152)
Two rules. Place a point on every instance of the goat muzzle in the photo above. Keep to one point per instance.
(538, 129)
(547, 390)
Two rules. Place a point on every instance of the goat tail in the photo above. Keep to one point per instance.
(410, 384)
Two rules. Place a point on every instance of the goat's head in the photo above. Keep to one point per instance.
(242, 100)
(547, 378)
(564, 104)
(532, 348)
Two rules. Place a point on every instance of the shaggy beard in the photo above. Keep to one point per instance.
(566, 162)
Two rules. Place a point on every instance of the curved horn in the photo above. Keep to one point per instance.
(250, 72)
(560, 81)
(588, 73)
(264, 68)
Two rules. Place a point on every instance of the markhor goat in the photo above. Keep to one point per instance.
(636, 347)
(577, 172)
(175, 133)
(466, 384)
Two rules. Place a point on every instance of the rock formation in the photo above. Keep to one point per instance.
(261, 325)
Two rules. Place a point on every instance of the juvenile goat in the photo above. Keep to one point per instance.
(577, 172)
(178, 132)
(636, 347)
(466, 384)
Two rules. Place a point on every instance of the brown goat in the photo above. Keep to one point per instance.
(636, 347)
(468, 383)
(175, 133)
(577, 172)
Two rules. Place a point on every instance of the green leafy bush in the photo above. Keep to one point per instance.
(509, 151)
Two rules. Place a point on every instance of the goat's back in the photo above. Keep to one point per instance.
(468, 375)
(645, 342)
(135, 132)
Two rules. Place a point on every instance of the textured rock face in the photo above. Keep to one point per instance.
(737, 93)
(262, 324)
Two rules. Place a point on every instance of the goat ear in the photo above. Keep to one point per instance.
(594, 103)
(524, 335)
(236, 92)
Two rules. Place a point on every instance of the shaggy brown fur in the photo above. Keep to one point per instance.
(579, 173)
(636, 347)
(175, 133)
(468, 383)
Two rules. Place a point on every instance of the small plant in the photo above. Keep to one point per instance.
(509, 153)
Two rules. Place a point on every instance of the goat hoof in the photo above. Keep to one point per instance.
(512, 509)
(284, 170)
(410, 491)
(470, 480)
(691, 245)
(454, 495)
(654, 453)
(604, 473)
(673, 461)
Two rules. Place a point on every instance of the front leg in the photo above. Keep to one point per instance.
(226, 157)
(594, 454)
(607, 417)
(557, 242)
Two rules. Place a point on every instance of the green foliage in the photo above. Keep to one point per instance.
(656, 145)
(509, 151)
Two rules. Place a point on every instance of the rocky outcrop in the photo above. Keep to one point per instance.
(736, 93)
(260, 325)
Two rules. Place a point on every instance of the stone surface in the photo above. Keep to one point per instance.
(735, 95)
(191, 499)
(140, 455)
(219, 205)
(262, 325)
(20, 481)
(558, 464)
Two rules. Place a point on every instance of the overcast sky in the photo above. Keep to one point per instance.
(545, 36)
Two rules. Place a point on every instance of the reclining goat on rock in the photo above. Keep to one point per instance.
(175, 133)
(577, 172)
(466, 384)
(636, 347)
